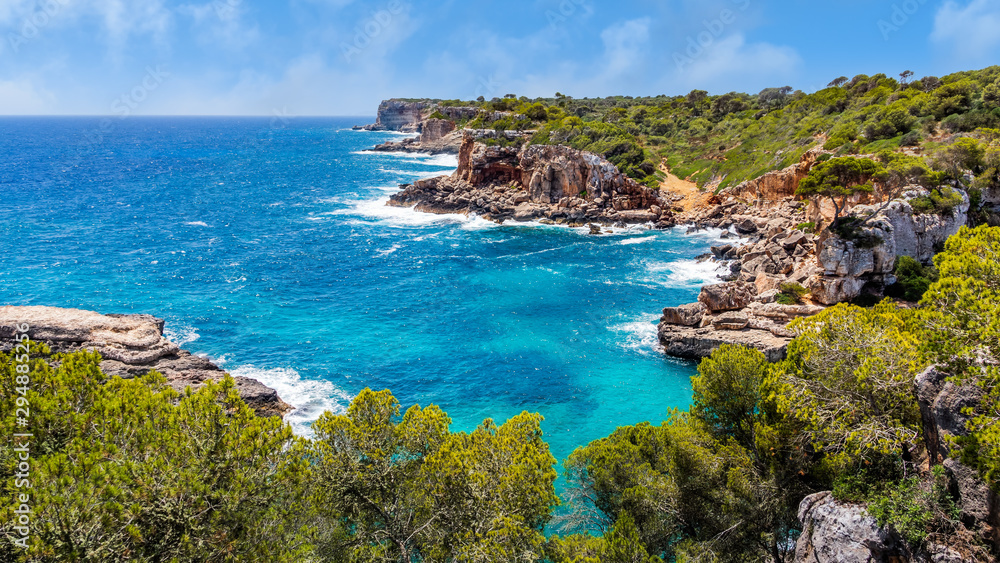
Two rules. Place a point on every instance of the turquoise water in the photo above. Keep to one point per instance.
(267, 246)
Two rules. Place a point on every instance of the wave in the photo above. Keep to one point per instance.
(686, 273)
(639, 335)
(636, 240)
(196, 223)
(309, 397)
(180, 334)
(400, 217)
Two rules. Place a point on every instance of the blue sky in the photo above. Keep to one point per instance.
(340, 57)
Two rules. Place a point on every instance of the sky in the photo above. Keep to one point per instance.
(341, 57)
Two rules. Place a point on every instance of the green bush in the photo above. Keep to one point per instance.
(912, 280)
(914, 508)
(791, 293)
(940, 201)
(809, 227)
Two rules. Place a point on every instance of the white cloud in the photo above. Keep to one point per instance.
(731, 61)
(221, 22)
(625, 47)
(22, 97)
(972, 31)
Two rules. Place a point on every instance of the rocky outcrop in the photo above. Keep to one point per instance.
(834, 532)
(130, 345)
(868, 259)
(694, 342)
(537, 182)
(399, 115)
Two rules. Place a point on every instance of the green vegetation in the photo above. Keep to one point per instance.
(131, 470)
(912, 279)
(729, 138)
(791, 293)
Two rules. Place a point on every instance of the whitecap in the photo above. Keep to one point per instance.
(376, 209)
(686, 273)
(636, 240)
(196, 223)
(180, 334)
(309, 397)
(639, 335)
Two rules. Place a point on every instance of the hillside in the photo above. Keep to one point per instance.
(722, 140)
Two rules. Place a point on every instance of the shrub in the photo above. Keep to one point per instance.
(809, 227)
(791, 293)
(912, 507)
(940, 201)
(912, 280)
(911, 139)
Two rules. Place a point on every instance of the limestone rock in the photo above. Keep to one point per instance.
(130, 346)
(695, 343)
(727, 296)
(833, 532)
(685, 315)
(537, 182)
(730, 321)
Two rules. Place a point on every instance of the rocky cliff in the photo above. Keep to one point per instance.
(536, 182)
(835, 531)
(399, 115)
(130, 345)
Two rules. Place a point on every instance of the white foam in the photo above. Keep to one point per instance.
(388, 251)
(309, 397)
(712, 234)
(197, 223)
(636, 240)
(686, 273)
(402, 217)
(639, 335)
(180, 334)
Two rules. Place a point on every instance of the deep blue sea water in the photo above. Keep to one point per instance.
(267, 246)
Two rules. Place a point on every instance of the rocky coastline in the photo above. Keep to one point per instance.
(130, 346)
(536, 183)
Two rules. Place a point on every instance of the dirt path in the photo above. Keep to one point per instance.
(691, 196)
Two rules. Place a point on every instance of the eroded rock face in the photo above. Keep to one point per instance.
(685, 315)
(777, 185)
(435, 129)
(695, 343)
(728, 296)
(130, 345)
(536, 182)
(397, 115)
(833, 532)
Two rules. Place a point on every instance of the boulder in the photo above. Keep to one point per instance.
(730, 321)
(727, 296)
(685, 315)
(695, 343)
(834, 532)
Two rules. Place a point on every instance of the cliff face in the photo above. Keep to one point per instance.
(130, 345)
(777, 185)
(397, 115)
(547, 182)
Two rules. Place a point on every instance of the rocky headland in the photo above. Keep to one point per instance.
(782, 255)
(536, 182)
(130, 346)
(435, 124)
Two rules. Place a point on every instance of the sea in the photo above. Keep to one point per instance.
(266, 245)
